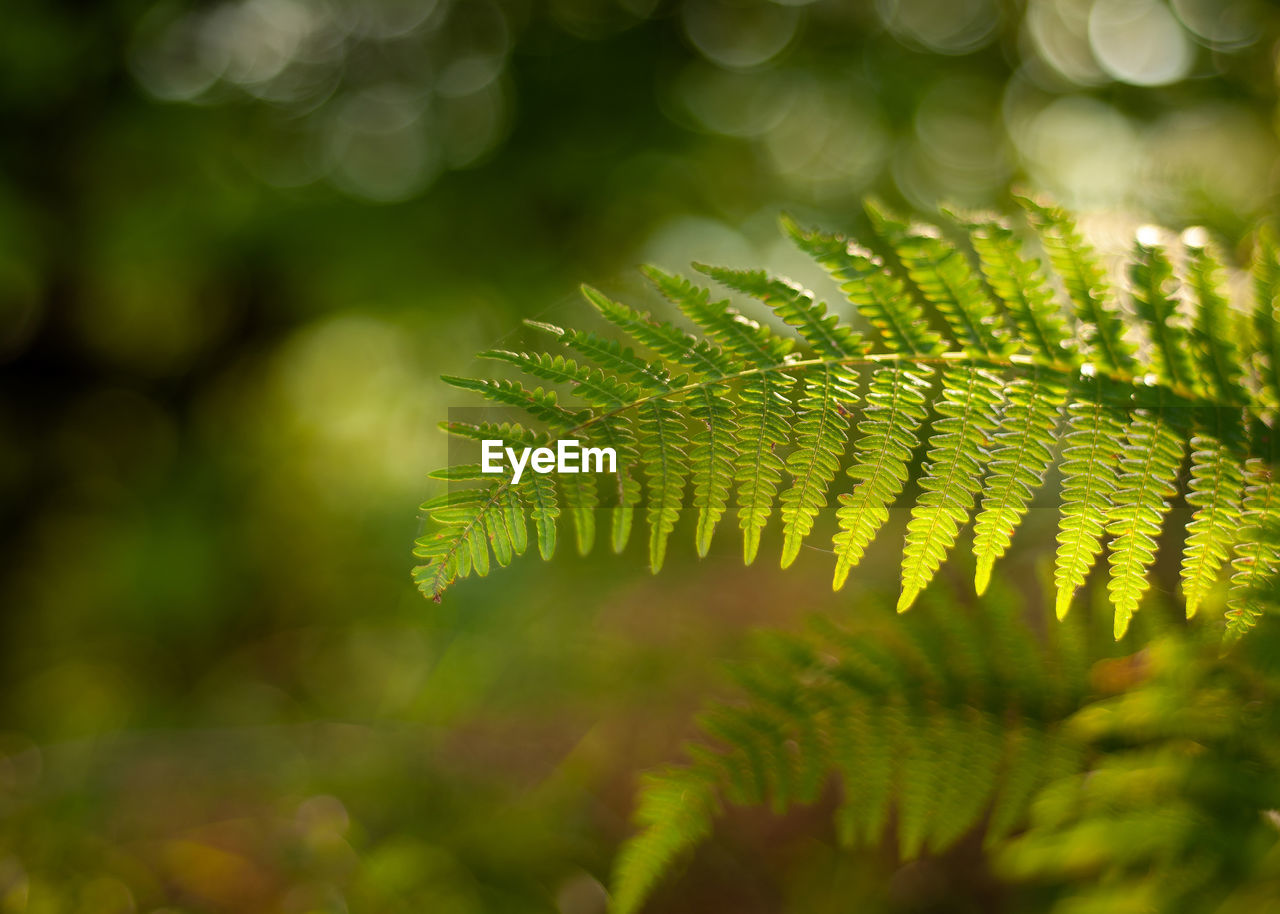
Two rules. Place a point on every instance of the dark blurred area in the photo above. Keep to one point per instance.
(240, 240)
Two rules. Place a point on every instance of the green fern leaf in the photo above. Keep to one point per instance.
(1217, 354)
(667, 340)
(748, 341)
(821, 430)
(1153, 452)
(503, 525)
(714, 412)
(1020, 284)
(609, 355)
(1266, 311)
(1214, 493)
(602, 391)
(764, 425)
(539, 404)
(1023, 452)
(712, 457)
(474, 519)
(953, 472)
(677, 810)
(609, 431)
(867, 755)
(946, 280)
(974, 752)
(796, 307)
(461, 545)
(1154, 291)
(921, 761)
(1090, 477)
(544, 509)
(1255, 578)
(903, 721)
(662, 445)
(752, 344)
(1075, 261)
(1032, 759)
(895, 410)
(591, 384)
(880, 297)
(580, 496)
(506, 431)
(579, 490)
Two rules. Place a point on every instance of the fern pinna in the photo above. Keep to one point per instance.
(979, 360)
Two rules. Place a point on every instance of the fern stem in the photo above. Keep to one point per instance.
(960, 358)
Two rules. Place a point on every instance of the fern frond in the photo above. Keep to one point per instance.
(591, 384)
(915, 731)
(473, 520)
(579, 492)
(740, 410)
(581, 497)
(544, 510)
(1145, 776)
(499, 431)
(467, 521)
(823, 426)
(652, 380)
(965, 797)
(1032, 759)
(1172, 815)
(609, 355)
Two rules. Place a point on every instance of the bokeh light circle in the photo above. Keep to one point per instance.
(1139, 42)
(942, 26)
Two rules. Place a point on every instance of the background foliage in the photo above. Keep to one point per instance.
(240, 240)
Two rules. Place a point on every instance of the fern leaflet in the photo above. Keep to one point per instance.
(895, 410)
(953, 468)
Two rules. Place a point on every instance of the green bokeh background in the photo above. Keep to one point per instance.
(240, 241)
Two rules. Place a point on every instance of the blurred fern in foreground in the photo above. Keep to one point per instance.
(1177, 811)
(981, 366)
(1146, 779)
